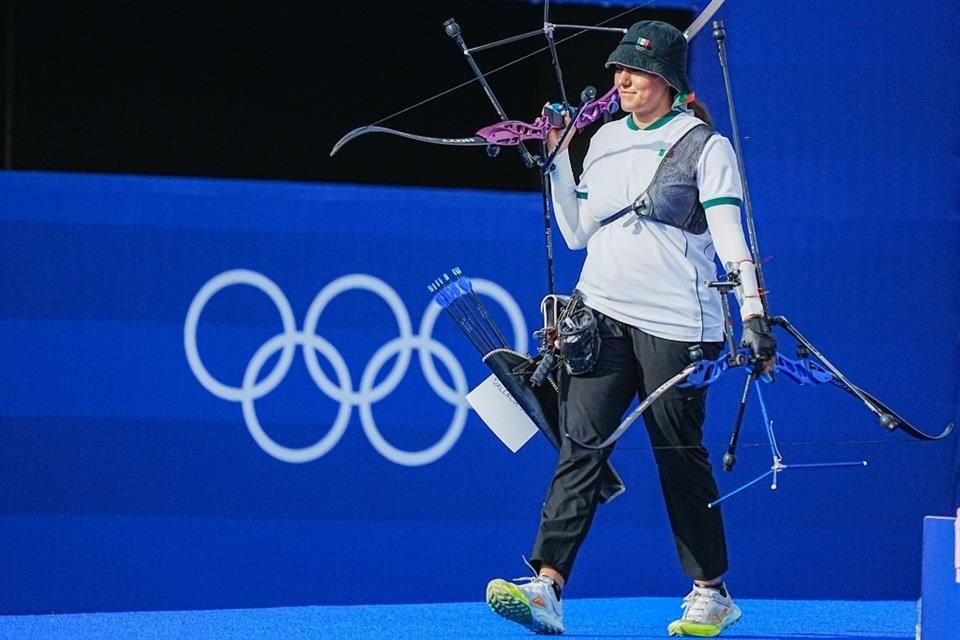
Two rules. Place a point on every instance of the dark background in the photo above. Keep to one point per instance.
(262, 89)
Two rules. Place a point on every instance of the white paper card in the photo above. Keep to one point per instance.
(501, 413)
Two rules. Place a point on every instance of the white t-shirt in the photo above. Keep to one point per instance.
(644, 273)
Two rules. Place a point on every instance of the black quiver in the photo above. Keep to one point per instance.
(542, 405)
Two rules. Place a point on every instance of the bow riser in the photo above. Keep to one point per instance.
(473, 141)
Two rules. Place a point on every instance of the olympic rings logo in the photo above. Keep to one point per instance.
(342, 390)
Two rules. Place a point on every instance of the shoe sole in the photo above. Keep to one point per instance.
(694, 630)
(507, 601)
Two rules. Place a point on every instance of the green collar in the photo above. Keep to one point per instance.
(656, 124)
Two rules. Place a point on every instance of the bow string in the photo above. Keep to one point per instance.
(506, 132)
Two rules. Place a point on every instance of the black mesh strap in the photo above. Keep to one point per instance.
(630, 208)
(644, 207)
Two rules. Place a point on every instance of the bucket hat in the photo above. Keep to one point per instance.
(655, 47)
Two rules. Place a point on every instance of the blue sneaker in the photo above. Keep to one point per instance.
(533, 604)
(706, 612)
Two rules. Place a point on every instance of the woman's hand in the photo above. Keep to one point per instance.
(757, 336)
(553, 135)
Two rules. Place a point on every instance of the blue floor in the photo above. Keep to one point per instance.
(594, 618)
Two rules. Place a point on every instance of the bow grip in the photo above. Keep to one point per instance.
(554, 113)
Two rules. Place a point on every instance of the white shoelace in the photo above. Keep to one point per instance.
(699, 603)
(535, 577)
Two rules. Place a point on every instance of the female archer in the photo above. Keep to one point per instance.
(658, 199)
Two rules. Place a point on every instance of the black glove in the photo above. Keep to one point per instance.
(757, 336)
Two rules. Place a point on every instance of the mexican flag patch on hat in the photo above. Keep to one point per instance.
(655, 47)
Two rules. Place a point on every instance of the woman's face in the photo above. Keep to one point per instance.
(642, 93)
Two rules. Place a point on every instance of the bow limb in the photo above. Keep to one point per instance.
(701, 20)
(806, 372)
(509, 133)
(825, 371)
(473, 141)
(889, 418)
(636, 413)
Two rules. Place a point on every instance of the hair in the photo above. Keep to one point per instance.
(699, 109)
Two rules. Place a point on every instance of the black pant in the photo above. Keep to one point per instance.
(632, 362)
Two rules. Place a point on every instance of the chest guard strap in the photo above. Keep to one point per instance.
(672, 197)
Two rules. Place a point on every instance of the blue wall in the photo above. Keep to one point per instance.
(128, 484)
